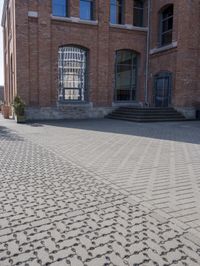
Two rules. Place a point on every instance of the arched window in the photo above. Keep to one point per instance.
(126, 75)
(138, 13)
(166, 25)
(60, 8)
(72, 64)
(86, 9)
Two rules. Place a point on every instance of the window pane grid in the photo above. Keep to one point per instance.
(167, 25)
(126, 76)
(72, 73)
(138, 13)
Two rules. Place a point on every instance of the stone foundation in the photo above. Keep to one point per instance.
(72, 111)
(188, 112)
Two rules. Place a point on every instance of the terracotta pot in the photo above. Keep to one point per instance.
(6, 111)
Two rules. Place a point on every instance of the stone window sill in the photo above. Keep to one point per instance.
(32, 14)
(75, 20)
(74, 104)
(128, 27)
(164, 48)
(131, 103)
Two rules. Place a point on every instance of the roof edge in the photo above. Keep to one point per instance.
(4, 12)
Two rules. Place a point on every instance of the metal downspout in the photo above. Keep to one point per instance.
(147, 53)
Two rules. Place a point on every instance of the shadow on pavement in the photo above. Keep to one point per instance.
(7, 134)
(188, 131)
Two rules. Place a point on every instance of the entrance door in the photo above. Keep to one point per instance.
(163, 90)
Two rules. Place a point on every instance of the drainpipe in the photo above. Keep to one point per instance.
(147, 52)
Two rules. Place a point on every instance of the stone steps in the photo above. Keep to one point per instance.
(146, 114)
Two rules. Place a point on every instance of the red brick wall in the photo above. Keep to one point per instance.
(38, 39)
(46, 35)
(182, 61)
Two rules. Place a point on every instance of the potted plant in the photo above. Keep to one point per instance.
(19, 109)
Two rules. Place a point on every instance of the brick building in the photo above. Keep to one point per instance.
(1, 94)
(82, 58)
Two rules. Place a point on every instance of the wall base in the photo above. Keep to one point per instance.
(188, 112)
(66, 112)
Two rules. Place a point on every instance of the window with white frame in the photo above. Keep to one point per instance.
(72, 64)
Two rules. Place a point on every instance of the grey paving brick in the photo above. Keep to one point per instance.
(56, 207)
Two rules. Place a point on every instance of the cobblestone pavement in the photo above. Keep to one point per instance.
(158, 162)
(56, 212)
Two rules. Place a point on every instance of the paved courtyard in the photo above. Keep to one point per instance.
(99, 192)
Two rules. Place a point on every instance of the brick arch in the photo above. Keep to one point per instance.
(163, 7)
(163, 71)
(74, 45)
(127, 49)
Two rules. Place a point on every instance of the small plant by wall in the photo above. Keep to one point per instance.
(19, 109)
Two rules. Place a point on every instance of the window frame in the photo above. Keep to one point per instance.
(91, 9)
(118, 7)
(140, 9)
(66, 9)
(161, 22)
(62, 88)
(134, 66)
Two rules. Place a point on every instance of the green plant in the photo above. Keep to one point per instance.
(19, 106)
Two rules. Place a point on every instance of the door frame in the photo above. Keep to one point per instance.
(164, 75)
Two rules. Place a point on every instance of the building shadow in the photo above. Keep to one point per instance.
(186, 131)
(9, 135)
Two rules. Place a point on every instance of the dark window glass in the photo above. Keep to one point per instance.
(163, 88)
(116, 11)
(86, 9)
(138, 13)
(60, 8)
(166, 26)
(72, 64)
(125, 75)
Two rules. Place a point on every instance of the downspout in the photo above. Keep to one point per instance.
(4, 12)
(147, 53)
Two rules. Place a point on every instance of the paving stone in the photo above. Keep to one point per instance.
(56, 212)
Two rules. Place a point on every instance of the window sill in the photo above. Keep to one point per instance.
(164, 48)
(74, 104)
(125, 103)
(75, 20)
(128, 27)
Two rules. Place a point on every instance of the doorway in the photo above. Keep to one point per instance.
(163, 88)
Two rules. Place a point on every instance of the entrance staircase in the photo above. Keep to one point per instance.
(150, 114)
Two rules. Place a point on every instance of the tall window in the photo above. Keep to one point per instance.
(72, 63)
(86, 9)
(138, 13)
(116, 11)
(166, 25)
(60, 8)
(125, 75)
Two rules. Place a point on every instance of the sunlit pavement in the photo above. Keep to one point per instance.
(99, 192)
